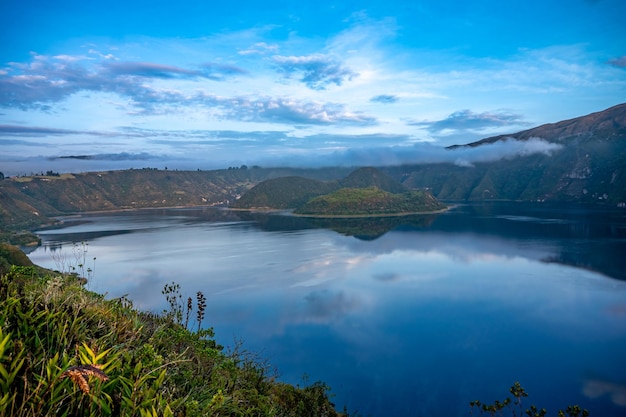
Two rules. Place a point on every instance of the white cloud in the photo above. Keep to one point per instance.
(317, 71)
(259, 48)
(467, 120)
(504, 149)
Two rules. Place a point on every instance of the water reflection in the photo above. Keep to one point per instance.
(374, 227)
(364, 228)
(585, 237)
(416, 315)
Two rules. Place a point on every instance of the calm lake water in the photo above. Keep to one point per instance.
(412, 316)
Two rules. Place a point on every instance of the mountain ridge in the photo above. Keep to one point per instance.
(613, 118)
(589, 167)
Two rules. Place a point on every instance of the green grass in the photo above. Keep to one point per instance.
(66, 351)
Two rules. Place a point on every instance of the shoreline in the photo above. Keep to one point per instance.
(76, 216)
(359, 216)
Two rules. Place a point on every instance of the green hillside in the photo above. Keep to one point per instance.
(283, 193)
(369, 201)
(366, 191)
(11, 255)
(294, 191)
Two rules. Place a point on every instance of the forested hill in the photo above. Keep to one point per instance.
(365, 192)
(292, 192)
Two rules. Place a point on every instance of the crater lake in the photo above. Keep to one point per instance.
(400, 316)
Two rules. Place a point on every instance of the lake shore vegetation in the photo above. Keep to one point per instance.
(67, 351)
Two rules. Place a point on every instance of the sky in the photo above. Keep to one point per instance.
(198, 84)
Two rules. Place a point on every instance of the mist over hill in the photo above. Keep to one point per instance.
(594, 126)
(579, 160)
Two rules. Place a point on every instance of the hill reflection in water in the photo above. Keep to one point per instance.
(445, 308)
(363, 228)
(587, 237)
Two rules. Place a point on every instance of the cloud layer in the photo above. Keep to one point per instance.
(49, 80)
(363, 89)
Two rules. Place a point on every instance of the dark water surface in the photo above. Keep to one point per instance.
(401, 317)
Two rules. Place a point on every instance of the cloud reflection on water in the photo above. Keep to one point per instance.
(597, 388)
(435, 300)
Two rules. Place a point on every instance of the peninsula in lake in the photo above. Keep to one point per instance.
(365, 192)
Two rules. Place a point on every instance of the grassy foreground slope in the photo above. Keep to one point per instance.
(66, 351)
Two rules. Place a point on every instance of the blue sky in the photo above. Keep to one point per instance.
(200, 84)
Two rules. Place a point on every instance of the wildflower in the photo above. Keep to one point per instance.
(79, 375)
